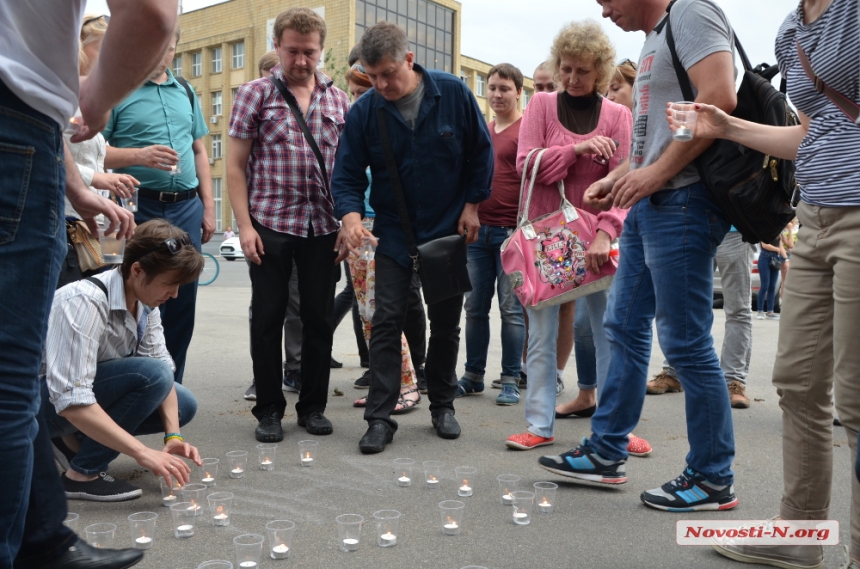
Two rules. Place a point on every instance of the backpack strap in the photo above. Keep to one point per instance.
(846, 105)
(99, 284)
(181, 80)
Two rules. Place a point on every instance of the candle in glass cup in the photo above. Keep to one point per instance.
(432, 473)
(349, 531)
(170, 492)
(184, 519)
(71, 521)
(142, 526)
(209, 471)
(101, 536)
(220, 504)
(267, 455)
(403, 471)
(684, 116)
(194, 493)
(387, 526)
(545, 496)
(238, 463)
(465, 478)
(523, 503)
(507, 484)
(249, 549)
(452, 516)
(280, 538)
(307, 452)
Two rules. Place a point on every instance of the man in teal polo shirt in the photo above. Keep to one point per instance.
(156, 135)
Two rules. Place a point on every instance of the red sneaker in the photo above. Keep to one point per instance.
(527, 441)
(637, 446)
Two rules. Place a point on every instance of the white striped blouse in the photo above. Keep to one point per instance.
(86, 328)
(827, 169)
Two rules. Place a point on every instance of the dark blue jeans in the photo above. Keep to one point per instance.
(487, 276)
(768, 276)
(177, 314)
(666, 271)
(32, 247)
(130, 390)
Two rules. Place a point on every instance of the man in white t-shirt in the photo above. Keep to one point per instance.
(39, 93)
(666, 265)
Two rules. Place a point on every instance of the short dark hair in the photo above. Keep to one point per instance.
(267, 61)
(381, 40)
(301, 20)
(148, 236)
(509, 72)
(354, 54)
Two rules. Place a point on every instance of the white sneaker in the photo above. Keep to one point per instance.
(760, 316)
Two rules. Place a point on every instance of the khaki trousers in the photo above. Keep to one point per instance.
(819, 357)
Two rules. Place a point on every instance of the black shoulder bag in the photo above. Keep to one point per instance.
(441, 263)
(754, 190)
(294, 107)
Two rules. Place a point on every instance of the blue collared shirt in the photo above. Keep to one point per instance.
(446, 162)
(159, 114)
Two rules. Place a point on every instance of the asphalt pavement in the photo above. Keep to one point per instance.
(592, 526)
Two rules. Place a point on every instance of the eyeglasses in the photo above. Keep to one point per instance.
(629, 62)
(359, 67)
(91, 20)
(174, 246)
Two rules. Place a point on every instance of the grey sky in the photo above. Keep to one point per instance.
(520, 32)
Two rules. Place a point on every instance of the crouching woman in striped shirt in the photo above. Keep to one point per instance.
(107, 374)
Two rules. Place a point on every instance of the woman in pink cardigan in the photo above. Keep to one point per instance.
(586, 136)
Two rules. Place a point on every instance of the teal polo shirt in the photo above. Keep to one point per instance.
(159, 114)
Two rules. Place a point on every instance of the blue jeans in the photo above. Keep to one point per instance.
(591, 345)
(177, 314)
(130, 390)
(768, 276)
(487, 276)
(666, 271)
(32, 247)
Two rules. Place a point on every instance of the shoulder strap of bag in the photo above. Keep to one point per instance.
(99, 284)
(528, 187)
(846, 105)
(181, 80)
(396, 185)
(294, 107)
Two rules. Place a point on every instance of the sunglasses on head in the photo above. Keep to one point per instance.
(629, 62)
(91, 20)
(173, 244)
(359, 67)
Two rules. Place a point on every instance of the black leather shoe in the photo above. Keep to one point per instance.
(316, 424)
(269, 429)
(84, 556)
(335, 364)
(446, 425)
(375, 439)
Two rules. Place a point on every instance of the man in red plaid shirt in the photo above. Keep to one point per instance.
(284, 209)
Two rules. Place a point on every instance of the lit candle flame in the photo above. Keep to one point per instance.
(220, 510)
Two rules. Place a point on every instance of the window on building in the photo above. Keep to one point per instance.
(196, 64)
(463, 76)
(238, 55)
(216, 60)
(177, 65)
(199, 101)
(479, 86)
(429, 27)
(216, 103)
(216, 146)
(527, 95)
(216, 197)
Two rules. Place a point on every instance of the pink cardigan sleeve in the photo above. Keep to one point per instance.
(612, 221)
(557, 160)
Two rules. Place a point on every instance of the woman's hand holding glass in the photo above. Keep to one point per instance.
(711, 122)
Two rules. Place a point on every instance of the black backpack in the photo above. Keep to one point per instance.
(754, 191)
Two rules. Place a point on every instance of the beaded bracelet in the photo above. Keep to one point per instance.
(169, 436)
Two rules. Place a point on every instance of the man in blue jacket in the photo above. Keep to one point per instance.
(445, 162)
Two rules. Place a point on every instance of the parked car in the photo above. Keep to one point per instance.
(231, 249)
(755, 283)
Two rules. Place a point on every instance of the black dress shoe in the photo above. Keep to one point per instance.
(446, 426)
(84, 556)
(316, 424)
(269, 429)
(584, 413)
(335, 364)
(374, 440)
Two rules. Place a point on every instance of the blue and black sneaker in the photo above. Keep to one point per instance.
(690, 492)
(293, 381)
(585, 464)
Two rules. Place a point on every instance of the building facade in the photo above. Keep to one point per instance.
(221, 45)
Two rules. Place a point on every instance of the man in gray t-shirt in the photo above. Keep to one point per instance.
(666, 264)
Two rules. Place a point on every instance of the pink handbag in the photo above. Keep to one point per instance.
(545, 257)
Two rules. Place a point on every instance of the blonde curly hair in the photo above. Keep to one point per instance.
(586, 40)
